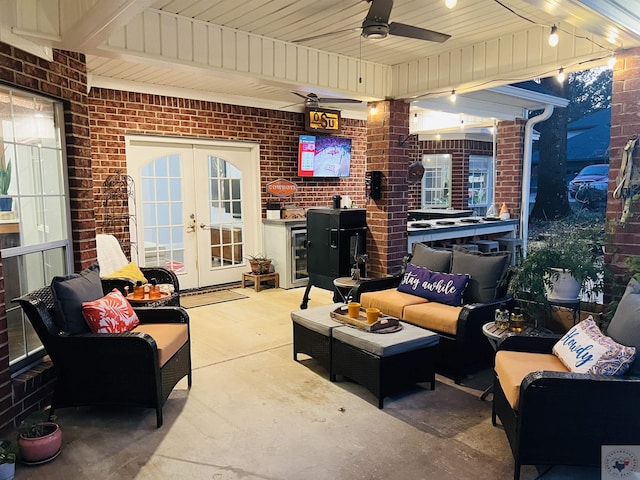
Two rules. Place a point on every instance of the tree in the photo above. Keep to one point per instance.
(551, 200)
(589, 90)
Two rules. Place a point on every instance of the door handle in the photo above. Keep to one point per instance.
(205, 227)
(192, 227)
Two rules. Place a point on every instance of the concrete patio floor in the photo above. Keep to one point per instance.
(254, 413)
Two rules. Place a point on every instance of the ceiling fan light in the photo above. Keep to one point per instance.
(450, 3)
(375, 31)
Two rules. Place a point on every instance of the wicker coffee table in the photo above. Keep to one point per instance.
(384, 363)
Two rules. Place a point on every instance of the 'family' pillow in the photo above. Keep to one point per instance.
(110, 314)
(435, 286)
(584, 349)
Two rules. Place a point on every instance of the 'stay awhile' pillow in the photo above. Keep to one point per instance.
(110, 314)
(584, 349)
(435, 286)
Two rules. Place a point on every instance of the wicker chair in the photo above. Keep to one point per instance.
(111, 258)
(564, 418)
(94, 369)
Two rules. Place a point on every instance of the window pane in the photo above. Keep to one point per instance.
(436, 181)
(480, 182)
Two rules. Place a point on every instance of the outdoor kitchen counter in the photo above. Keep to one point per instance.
(454, 228)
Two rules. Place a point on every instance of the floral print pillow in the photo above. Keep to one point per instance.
(110, 314)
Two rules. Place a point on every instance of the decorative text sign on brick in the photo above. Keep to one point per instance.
(281, 188)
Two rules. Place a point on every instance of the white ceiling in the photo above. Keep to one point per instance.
(252, 55)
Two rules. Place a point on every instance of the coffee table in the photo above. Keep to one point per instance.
(384, 363)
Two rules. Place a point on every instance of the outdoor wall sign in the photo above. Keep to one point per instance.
(281, 188)
(322, 120)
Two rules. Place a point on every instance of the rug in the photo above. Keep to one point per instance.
(202, 299)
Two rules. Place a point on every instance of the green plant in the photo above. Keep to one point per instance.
(8, 452)
(258, 257)
(5, 173)
(34, 425)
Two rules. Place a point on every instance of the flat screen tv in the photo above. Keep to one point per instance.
(323, 156)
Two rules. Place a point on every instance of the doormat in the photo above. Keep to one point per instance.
(202, 299)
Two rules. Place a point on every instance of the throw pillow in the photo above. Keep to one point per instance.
(437, 260)
(110, 314)
(131, 271)
(624, 327)
(69, 292)
(486, 269)
(435, 286)
(584, 349)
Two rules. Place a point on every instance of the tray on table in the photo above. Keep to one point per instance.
(384, 324)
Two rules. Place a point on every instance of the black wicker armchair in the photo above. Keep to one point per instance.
(564, 418)
(125, 369)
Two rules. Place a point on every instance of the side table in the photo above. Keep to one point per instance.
(257, 279)
(343, 289)
(494, 334)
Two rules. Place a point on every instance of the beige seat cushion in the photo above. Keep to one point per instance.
(433, 316)
(169, 337)
(390, 301)
(512, 367)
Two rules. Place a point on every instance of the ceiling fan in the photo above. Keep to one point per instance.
(312, 100)
(376, 26)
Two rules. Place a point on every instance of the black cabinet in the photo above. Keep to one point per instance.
(334, 237)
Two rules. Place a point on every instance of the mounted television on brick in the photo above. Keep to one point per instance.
(324, 156)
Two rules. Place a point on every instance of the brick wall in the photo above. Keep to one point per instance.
(115, 114)
(625, 122)
(509, 158)
(387, 217)
(63, 79)
(460, 151)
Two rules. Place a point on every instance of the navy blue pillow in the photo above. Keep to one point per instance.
(69, 292)
(438, 287)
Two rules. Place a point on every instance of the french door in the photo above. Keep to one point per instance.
(196, 208)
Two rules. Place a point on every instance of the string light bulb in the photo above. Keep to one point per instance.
(415, 118)
(450, 3)
(438, 136)
(553, 36)
(374, 109)
(561, 75)
(612, 61)
(453, 97)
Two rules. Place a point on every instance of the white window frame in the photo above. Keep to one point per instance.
(436, 181)
(484, 175)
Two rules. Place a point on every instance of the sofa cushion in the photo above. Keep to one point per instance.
(390, 301)
(433, 316)
(624, 327)
(110, 314)
(486, 269)
(69, 292)
(130, 271)
(584, 349)
(512, 367)
(169, 338)
(439, 287)
(435, 259)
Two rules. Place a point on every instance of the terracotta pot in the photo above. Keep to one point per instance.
(260, 267)
(41, 448)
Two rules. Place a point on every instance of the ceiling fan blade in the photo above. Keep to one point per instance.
(338, 100)
(409, 31)
(299, 94)
(322, 35)
(379, 11)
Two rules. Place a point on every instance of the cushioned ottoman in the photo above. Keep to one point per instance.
(312, 333)
(384, 363)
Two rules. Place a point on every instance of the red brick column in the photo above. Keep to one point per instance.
(509, 158)
(625, 122)
(387, 217)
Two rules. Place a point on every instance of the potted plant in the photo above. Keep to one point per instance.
(7, 460)
(39, 437)
(565, 259)
(5, 181)
(260, 263)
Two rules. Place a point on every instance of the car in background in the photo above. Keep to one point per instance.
(594, 176)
